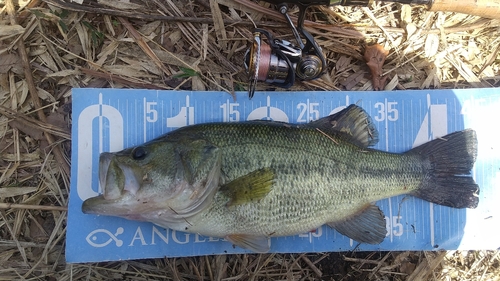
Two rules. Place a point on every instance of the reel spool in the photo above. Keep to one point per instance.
(280, 62)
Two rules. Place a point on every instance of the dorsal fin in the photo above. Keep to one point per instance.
(353, 122)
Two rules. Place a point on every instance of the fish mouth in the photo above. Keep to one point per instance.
(118, 182)
(101, 206)
(111, 177)
(96, 205)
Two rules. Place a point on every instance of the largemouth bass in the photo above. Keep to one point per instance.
(253, 180)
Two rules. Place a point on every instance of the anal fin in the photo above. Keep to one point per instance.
(368, 226)
(258, 244)
(250, 187)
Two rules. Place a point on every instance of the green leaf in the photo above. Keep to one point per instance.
(239, 87)
(63, 26)
(37, 13)
(64, 14)
(95, 35)
(186, 73)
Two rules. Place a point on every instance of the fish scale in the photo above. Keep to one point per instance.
(252, 180)
(328, 173)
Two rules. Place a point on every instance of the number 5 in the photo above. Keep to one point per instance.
(152, 114)
(392, 112)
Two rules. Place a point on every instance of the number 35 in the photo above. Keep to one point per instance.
(391, 112)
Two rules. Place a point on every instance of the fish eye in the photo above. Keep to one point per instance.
(139, 153)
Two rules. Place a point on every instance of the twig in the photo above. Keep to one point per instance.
(426, 267)
(136, 15)
(122, 80)
(33, 123)
(399, 65)
(34, 92)
(361, 260)
(8, 243)
(379, 265)
(341, 30)
(312, 266)
(369, 13)
(43, 258)
(21, 17)
(19, 247)
(326, 135)
(32, 207)
(144, 46)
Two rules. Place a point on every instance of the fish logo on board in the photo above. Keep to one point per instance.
(95, 237)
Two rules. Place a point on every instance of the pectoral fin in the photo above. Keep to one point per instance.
(367, 226)
(258, 244)
(250, 187)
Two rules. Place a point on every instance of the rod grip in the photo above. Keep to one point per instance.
(483, 8)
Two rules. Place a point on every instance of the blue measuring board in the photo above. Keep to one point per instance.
(113, 119)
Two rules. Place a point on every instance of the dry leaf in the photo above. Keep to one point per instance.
(10, 61)
(431, 45)
(48, 61)
(8, 171)
(432, 78)
(197, 84)
(392, 84)
(411, 28)
(220, 29)
(16, 191)
(353, 79)
(40, 228)
(407, 267)
(121, 5)
(149, 28)
(22, 91)
(406, 14)
(57, 119)
(25, 157)
(234, 14)
(30, 131)
(3, 127)
(9, 30)
(406, 20)
(375, 57)
(204, 41)
(343, 63)
(466, 72)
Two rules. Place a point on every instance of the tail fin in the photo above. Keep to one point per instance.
(450, 160)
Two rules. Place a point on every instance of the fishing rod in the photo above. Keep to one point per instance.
(280, 62)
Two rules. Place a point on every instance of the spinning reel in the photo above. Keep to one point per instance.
(280, 62)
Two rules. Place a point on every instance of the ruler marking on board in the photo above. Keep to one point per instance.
(443, 223)
(144, 119)
(431, 205)
(389, 200)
